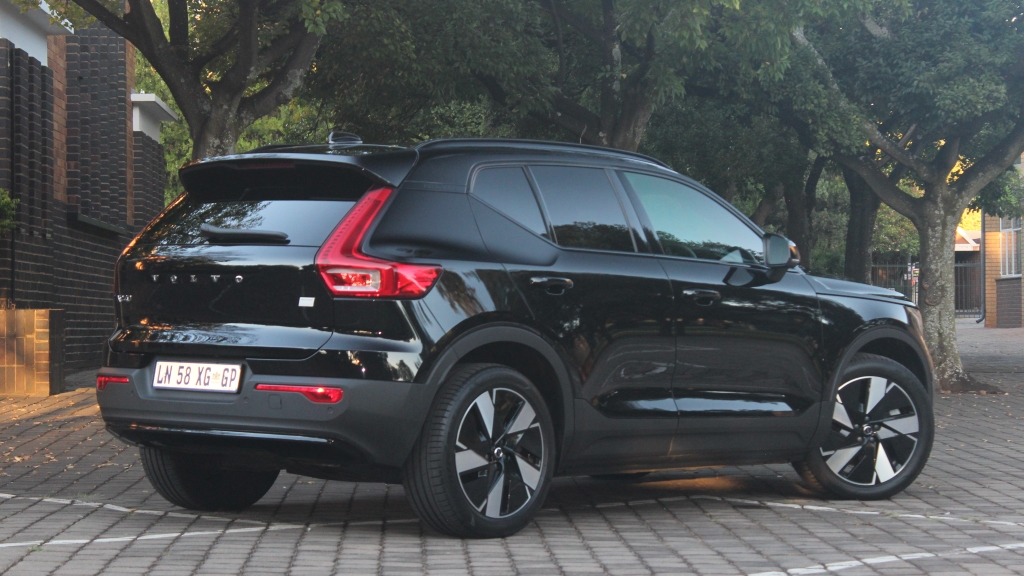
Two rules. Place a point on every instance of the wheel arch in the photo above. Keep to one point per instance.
(887, 341)
(525, 351)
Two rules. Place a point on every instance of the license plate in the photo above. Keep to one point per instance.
(197, 376)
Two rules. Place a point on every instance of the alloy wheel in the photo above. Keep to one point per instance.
(499, 453)
(874, 433)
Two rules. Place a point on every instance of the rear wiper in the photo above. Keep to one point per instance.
(216, 234)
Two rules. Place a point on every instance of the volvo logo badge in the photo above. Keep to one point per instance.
(238, 278)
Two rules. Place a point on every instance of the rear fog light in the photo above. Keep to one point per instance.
(102, 381)
(318, 394)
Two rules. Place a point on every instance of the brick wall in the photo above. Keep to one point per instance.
(150, 174)
(68, 153)
(1008, 292)
(26, 142)
(31, 348)
(991, 269)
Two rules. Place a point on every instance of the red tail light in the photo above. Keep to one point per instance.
(102, 381)
(349, 272)
(318, 394)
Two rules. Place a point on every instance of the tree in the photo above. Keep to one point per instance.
(226, 63)
(937, 91)
(597, 70)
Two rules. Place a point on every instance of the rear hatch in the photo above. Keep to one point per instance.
(228, 269)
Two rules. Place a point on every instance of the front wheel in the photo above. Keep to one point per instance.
(881, 436)
(484, 460)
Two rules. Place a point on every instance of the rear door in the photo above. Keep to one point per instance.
(747, 379)
(228, 268)
(605, 307)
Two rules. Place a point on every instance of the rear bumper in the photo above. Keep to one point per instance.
(368, 433)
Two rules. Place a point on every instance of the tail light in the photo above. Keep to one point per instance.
(102, 381)
(318, 394)
(349, 272)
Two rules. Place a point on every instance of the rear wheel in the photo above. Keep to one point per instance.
(881, 436)
(198, 482)
(483, 462)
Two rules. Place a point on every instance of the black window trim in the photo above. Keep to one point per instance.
(700, 188)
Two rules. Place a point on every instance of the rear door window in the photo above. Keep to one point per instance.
(584, 209)
(691, 224)
(508, 191)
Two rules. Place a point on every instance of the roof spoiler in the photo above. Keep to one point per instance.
(386, 168)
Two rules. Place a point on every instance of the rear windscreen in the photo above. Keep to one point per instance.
(304, 203)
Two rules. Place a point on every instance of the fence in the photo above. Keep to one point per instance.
(903, 278)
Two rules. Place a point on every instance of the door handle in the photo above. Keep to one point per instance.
(703, 297)
(555, 286)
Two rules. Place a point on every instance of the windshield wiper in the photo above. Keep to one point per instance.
(218, 235)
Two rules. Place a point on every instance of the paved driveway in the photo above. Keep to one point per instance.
(74, 501)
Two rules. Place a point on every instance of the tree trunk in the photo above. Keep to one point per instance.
(767, 205)
(864, 205)
(936, 291)
(218, 134)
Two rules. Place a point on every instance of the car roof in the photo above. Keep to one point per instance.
(391, 164)
(479, 144)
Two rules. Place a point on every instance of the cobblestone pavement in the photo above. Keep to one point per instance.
(74, 501)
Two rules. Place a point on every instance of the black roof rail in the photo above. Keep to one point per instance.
(538, 144)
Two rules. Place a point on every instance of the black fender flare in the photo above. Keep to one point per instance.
(492, 333)
(851, 350)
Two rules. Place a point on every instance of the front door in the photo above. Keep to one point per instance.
(747, 384)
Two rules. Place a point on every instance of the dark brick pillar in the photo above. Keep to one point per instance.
(150, 179)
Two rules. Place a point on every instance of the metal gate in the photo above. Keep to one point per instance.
(898, 277)
(968, 289)
(903, 278)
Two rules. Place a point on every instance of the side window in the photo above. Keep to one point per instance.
(584, 208)
(688, 223)
(508, 191)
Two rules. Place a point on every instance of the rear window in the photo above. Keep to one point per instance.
(306, 203)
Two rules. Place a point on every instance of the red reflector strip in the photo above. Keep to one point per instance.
(319, 394)
(102, 381)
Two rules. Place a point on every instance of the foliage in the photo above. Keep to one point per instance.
(1003, 197)
(8, 211)
(227, 64)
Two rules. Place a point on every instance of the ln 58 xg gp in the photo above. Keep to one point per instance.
(473, 317)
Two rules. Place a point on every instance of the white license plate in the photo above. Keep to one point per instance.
(197, 376)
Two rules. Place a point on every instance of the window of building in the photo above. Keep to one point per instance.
(1009, 246)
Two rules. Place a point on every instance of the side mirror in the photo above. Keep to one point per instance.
(780, 252)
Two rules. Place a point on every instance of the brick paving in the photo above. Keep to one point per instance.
(74, 501)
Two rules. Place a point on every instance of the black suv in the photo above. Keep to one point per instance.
(474, 317)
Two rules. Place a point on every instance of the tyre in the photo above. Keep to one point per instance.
(197, 482)
(881, 436)
(622, 477)
(484, 460)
